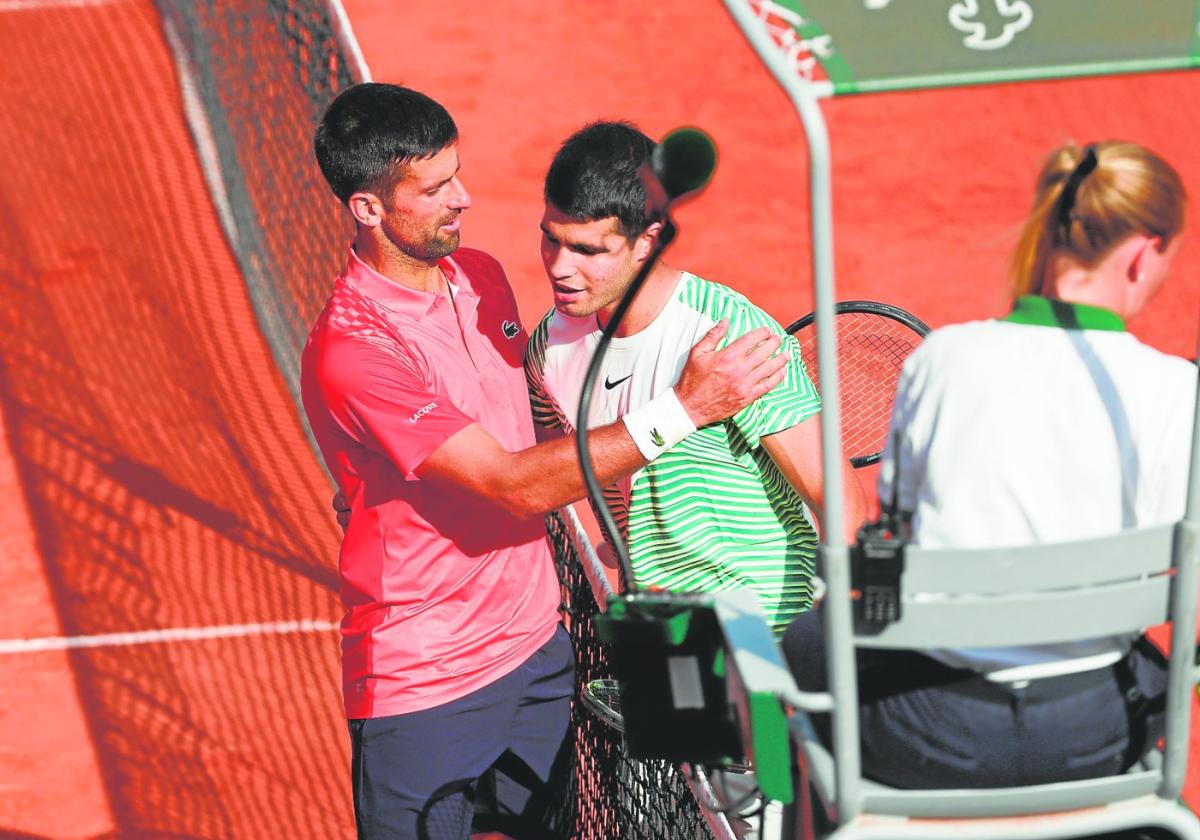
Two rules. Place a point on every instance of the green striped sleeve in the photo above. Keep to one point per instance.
(544, 411)
(791, 401)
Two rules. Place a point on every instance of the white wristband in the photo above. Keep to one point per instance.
(659, 424)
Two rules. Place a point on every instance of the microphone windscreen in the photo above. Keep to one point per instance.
(684, 161)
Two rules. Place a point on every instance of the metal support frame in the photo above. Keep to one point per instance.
(834, 553)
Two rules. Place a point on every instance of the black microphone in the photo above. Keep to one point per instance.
(682, 164)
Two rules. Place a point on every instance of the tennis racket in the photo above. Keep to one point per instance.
(603, 699)
(874, 339)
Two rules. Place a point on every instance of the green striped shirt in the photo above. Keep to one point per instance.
(714, 512)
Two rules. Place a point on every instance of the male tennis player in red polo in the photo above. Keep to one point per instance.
(454, 660)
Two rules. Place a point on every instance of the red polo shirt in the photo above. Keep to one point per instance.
(444, 592)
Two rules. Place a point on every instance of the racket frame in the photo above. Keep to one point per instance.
(865, 307)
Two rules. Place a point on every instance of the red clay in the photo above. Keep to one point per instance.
(156, 473)
(163, 466)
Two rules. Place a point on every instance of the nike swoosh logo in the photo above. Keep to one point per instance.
(608, 386)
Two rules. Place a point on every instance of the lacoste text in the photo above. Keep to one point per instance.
(422, 412)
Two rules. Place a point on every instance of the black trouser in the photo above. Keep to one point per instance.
(927, 725)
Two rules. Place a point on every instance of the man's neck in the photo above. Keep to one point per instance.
(384, 258)
(650, 300)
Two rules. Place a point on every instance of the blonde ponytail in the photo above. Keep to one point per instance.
(1089, 199)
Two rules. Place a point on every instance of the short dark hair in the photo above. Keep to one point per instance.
(370, 129)
(594, 176)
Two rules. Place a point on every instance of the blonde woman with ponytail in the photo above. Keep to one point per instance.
(1050, 424)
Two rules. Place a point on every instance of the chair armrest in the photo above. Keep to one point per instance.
(808, 701)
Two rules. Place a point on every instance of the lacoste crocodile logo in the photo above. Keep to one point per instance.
(656, 438)
(609, 384)
(510, 328)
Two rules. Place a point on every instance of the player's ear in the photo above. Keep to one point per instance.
(366, 208)
(646, 240)
(1142, 258)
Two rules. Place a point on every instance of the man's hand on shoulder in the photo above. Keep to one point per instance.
(716, 384)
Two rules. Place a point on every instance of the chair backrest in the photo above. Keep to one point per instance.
(1031, 595)
(1026, 596)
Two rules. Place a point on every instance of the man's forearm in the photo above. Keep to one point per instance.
(549, 475)
(534, 481)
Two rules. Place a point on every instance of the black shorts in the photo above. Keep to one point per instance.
(417, 775)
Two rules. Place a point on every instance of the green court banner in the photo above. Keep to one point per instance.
(860, 46)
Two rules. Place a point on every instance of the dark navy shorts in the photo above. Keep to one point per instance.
(503, 747)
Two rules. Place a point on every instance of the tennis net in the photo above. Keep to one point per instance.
(616, 795)
(256, 78)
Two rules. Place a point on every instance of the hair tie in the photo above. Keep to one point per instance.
(1066, 202)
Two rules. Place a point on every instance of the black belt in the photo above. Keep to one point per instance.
(1138, 707)
(888, 673)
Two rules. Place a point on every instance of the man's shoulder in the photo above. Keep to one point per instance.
(480, 266)
(350, 329)
(348, 314)
(540, 334)
(559, 350)
(717, 301)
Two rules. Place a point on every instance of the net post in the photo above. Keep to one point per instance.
(344, 33)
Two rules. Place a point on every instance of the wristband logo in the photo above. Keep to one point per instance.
(421, 412)
(656, 438)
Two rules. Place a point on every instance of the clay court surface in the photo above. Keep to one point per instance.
(155, 475)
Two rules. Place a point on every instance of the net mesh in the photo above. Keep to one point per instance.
(615, 795)
(160, 458)
(871, 350)
(262, 74)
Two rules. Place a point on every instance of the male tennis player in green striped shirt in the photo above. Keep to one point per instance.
(724, 507)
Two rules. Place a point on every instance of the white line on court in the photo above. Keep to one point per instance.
(171, 634)
(33, 5)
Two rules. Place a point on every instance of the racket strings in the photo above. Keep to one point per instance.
(871, 351)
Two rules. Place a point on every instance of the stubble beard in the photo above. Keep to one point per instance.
(442, 246)
(434, 247)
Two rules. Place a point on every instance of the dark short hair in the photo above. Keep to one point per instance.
(595, 176)
(371, 129)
